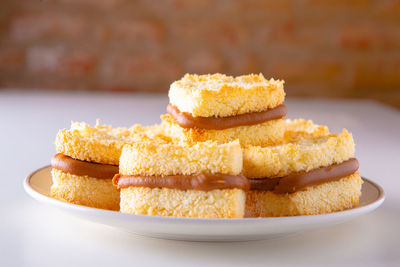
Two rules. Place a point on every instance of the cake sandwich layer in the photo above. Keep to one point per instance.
(299, 180)
(186, 120)
(224, 108)
(219, 95)
(309, 175)
(84, 183)
(87, 160)
(177, 179)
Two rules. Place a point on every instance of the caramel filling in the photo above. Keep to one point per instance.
(300, 180)
(83, 168)
(203, 181)
(186, 120)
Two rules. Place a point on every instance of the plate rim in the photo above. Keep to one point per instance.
(47, 199)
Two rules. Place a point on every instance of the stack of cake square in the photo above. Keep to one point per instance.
(225, 150)
(202, 180)
(305, 176)
(224, 108)
(87, 159)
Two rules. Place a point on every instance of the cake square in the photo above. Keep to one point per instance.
(262, 134)
(176, 179)
(219, 95)
(224, 108)
(310, 174)
(88, 159)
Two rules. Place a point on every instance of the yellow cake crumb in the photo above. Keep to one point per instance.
(220, 95)
(84, 190)
(324, 198)
(300, 127)
(163, 158)
(263, 134)
(227, 203)
(306, 153)
(100, 144)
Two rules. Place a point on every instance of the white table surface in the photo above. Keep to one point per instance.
(32, 234)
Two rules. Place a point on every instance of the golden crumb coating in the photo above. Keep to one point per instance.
(300, 127)
(101, 144)
(324, 198)
(263, 134)
(155, 131)
(155, 157)
(227, 203)
(84, 190)
(221, 96)
(306, 153)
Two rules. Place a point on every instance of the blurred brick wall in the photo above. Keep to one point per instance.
(342, 48)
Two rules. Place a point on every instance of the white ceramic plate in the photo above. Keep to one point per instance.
(38, 185)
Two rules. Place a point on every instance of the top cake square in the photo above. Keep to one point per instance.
(101, 143)
(160, 157)
(218, 95)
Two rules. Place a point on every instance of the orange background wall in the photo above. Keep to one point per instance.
(320, 48)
